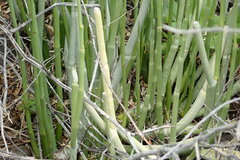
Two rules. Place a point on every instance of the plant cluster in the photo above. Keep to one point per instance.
(185, 52)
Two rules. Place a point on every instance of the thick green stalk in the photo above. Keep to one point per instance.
(46, 128)
(111, 44)
(212, 83)
(158, 54)
(22, 10)
(77, 109)
(186, 52)
(117, 72)
(125, 85)
(107, 129)
(71, 59)
(173, 49)
(103, 4)
(65, 21)
(173, 134)
(81, 67)
(190, 90)
(224, 111)
(197, 11)
(203, 56)
(219, 40)
(74, 123)
(188, 72)
(170, 17)
(125, 103)
(58, 65)
(147, 102)
(25, 96)
(170, 56)
(226, 48)
(169, 99)
(198, 103)
(205, 12)
(108, 100)
(138, 70)
(40, 21)
(89, 54)
(179, 63)
(23, 14)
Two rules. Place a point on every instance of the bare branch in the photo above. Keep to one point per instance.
(183, 144)
(192, 31)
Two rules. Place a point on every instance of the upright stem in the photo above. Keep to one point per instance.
(108, 100)
(176, 94)
(58, 65)
(224, 111)
(150, 90)
(45, 122)
(158, 59)
(77, 108)
(117, 72)
(25, 96)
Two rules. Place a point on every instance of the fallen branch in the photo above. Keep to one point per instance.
(182, 146)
